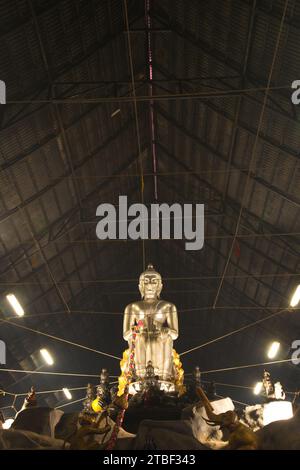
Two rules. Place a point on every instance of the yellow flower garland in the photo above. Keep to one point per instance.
(123, 377)
(179, 373)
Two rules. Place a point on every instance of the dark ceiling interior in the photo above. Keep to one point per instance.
(84, 123)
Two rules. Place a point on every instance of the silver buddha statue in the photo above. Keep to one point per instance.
(157, 328)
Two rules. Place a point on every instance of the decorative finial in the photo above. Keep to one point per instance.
(30, 400)
(90, 396)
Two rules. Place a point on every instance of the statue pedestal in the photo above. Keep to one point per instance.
(158, 401)
(162, 385)
(136, 414)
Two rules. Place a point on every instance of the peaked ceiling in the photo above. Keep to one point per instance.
(84, 124)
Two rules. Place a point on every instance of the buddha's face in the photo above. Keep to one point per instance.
(150, 286)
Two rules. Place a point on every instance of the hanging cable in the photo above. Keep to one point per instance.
(180, 310)
(70, 403)
(247, 366)
(235, 401)
(41, 392)
(50, 391)
(254, 153)
(48, 373)
(136, 117)
(158, 97)
(173, 278)
(229, 385)
(6, 393)
(28, 223)
(56, 338)
(238, 330)
(222, 384)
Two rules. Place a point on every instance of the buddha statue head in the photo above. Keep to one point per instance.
(150, 283)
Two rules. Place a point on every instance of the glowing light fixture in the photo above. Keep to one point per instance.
(67, 393)
(12, 299)
(273, 349)
(47, 356)
(296, 297)
(276, 411)
(7, 423)
(258, 387)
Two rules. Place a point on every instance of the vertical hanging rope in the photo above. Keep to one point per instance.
(129, 375)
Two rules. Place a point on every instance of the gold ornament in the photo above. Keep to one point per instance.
(96, 406)
(179, 374)
(123, 377)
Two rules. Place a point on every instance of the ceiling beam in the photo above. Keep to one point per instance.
(289, 198)
(162, 16)
(242, 125)
(91, 196)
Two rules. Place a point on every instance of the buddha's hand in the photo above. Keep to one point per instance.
(140, 324)
(143, 331)
(165, 332)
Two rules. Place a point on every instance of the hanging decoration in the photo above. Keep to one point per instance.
(124, 381)
(179, 374)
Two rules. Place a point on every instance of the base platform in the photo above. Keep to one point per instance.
(163, 385)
